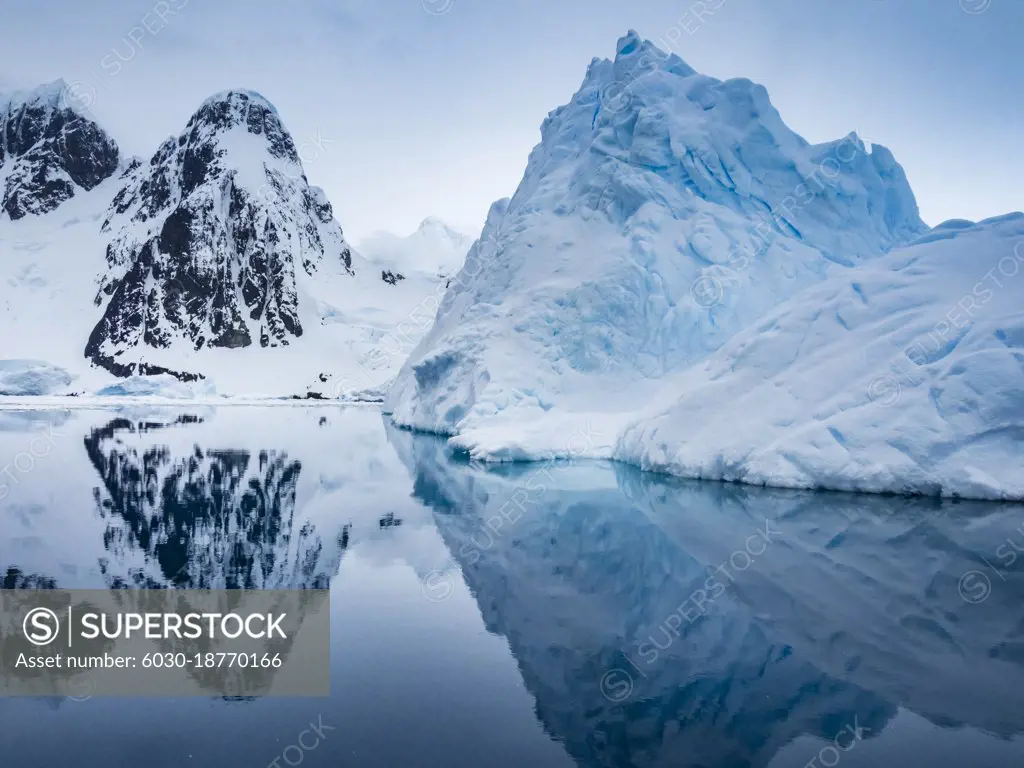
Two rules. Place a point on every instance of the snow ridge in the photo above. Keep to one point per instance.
(903, 375)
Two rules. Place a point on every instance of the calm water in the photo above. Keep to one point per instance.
(534, 615)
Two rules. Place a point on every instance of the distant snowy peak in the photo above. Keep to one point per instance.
(50, 149)
(435, 248)
(435, 227)
(208, 238)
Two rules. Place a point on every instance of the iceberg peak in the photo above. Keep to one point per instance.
(433, 223)
(635, 55)
(628, 43)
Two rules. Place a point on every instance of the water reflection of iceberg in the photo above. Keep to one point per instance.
(850, 615)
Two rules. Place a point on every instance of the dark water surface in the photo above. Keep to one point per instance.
(531, 615)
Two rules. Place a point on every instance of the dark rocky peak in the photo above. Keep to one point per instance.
(208, 135)
(230, 109)
(50, 148)
(209, 238)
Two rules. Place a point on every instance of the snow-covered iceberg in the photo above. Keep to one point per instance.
(31, 377)
(905, 375)
(665, 214)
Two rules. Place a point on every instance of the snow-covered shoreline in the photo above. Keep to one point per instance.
(96, 403)
(585, 439)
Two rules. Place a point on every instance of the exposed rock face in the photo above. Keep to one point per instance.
(49, 151)
(208, 239)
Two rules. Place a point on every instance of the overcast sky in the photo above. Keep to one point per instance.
(409, 108)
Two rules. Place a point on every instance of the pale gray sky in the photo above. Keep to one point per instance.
(409, 108)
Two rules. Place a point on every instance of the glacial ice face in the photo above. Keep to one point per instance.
(651, 185)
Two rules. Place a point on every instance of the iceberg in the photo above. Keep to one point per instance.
(31, 377)
(638, 278)
(903, 375)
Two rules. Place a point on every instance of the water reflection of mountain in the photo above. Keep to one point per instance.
(851, 614)
(13, 577)
(196, 517)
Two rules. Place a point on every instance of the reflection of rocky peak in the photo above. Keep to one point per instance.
(210, 238)
(49, 151)
(13, 578)
(203, 518)
(806, 641)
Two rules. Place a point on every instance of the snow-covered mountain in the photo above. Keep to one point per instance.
(214, 263)
(50, 150)
(209, 239)
(434, 248)
(662, 214)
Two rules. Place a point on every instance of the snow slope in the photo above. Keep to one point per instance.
(905, 374)
(49, 265)
(666, 214)
(434, 249)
